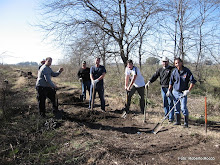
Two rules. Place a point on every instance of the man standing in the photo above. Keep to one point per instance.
(133, 74)
(45, 87)
(164, 74)
(179, 82)
(84, 78)
(97, 74)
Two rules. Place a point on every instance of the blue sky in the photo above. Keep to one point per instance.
(19, 40)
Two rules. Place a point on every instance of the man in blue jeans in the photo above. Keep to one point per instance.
(97, 74)
(179, 84)
(164, 74)
(84, 78)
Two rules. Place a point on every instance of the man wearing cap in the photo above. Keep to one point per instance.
(164, 73)
(84, 78)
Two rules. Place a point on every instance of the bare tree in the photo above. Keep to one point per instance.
(116, 18)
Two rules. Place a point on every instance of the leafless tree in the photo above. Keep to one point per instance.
(122, 20)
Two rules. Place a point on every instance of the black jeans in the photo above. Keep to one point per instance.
(42, 94)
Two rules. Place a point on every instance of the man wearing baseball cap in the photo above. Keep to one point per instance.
(164, 73)
(84, 78)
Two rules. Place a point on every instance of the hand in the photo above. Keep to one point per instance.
(80, 79)
(128, 89)
(168, 94)
(94, 82)
(60, 70)
(148, 84)
(185, 93)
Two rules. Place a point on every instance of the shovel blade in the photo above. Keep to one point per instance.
(157, 128)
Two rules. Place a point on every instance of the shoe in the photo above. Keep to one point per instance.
(186, 119)
(178, 117)
(171, 120)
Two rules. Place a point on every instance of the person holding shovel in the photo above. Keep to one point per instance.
(45, 87)
(180, 88)
(164, 74)
(84, 78)
(97, 74)
(137, 83)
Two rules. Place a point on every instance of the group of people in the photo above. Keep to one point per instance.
(176, 82)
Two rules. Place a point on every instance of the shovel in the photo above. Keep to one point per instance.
(158, 127)
(93, 96)
(145, 107)
(124, 114)
(81, 96)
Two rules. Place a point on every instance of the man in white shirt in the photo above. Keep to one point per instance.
(136, 82)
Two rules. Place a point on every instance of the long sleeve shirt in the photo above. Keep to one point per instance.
(84, 74)
(164, 74)
(44, 77)
(180, 79)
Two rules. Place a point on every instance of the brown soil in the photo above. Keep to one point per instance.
(96, 137)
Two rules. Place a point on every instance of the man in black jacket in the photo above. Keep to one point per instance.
(84, 78)
(164, 74)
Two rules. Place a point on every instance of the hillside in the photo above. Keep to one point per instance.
(90, 137)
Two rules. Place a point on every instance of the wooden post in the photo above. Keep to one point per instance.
(205, 115)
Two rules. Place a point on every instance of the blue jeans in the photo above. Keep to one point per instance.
(167, 103)
(100, 90)
(85, 86)
(182, 104)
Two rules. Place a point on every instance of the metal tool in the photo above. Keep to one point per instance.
(158, 127)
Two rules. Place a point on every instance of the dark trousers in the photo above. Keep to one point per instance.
(100, 90)
(130, 93)
(42, 94)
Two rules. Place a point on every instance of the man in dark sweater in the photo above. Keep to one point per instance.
(84, 78)
(164, 74)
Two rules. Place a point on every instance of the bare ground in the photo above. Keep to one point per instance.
(96, 137)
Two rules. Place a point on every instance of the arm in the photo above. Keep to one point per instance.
(126, 81)
(155, 76)
(78, 74)
(191, 86)
(55, 74)
(101, 77)
(132, 82)
(48, 80)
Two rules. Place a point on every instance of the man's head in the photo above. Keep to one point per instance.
(130, 64)
(97, 61)
(48, 61)
(43, 61)
(84, 64)
(178, 63)
(165, 61)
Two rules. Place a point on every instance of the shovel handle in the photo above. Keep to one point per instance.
(171, 109)
(93, 95)
(145, 106)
